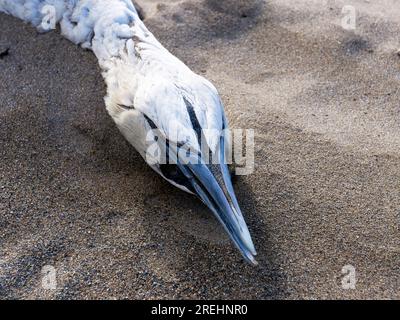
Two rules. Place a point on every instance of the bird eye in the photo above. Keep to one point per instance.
(169, 170)
(173, 173)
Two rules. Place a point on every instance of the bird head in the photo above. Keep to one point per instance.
(175, 119)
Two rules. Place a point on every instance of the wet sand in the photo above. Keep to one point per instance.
(324, 104)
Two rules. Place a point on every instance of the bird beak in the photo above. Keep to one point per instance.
(212, 184)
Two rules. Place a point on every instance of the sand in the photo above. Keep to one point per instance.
(324, 104)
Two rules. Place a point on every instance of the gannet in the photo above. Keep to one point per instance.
(156, 101)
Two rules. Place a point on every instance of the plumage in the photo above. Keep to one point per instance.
(157, 102)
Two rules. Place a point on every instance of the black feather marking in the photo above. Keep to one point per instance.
(172, 172)
(126, 107)
(193, 119)
(150, 122)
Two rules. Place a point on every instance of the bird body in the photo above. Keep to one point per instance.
(157, 102)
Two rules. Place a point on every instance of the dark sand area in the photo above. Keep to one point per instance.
(325, 106)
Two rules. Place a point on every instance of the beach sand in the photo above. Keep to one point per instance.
(324, 104)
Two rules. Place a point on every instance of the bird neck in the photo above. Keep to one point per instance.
(102, 26)
(112, 29)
